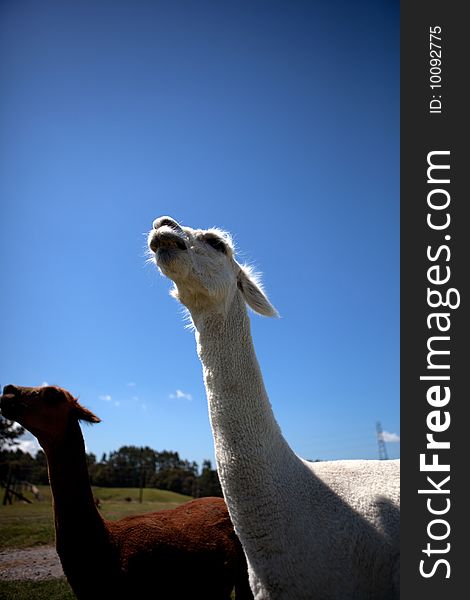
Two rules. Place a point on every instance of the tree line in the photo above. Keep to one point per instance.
(129, 466)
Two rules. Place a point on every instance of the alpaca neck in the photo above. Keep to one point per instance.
(75, 512)
(245, 431)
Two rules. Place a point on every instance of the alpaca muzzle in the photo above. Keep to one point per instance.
(166, 239)
(10, 406)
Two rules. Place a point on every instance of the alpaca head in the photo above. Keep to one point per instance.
(44, 411)
(202, 266)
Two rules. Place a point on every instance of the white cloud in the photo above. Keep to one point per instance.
(390, 437)
(29, 446)
(131, 384)
(109, 398)
(143, 406)
(44, 384)
(181, 395)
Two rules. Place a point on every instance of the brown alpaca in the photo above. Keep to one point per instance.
(187, 552)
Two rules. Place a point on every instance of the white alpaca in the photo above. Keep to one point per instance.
(326, 530)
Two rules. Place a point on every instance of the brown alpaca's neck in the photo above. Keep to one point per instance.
(75, 512)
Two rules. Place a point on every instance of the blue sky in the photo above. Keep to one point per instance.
(277, 121)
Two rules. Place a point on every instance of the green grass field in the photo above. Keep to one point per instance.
(52, 589)
(26, 525)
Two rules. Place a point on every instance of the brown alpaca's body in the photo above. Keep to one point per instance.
(187, 552)
(194, 546)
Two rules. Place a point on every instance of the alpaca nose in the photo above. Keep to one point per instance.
(10, 390)
(168, 221)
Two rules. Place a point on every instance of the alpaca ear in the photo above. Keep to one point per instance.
(253, 293)
(83, 414)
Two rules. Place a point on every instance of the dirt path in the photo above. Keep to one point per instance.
(36, 563)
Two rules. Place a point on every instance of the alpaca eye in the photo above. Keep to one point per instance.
(216, 243)
(52, 395)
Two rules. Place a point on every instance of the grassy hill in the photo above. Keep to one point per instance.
(25, 525)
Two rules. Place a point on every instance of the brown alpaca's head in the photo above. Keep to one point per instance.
(44, 411)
